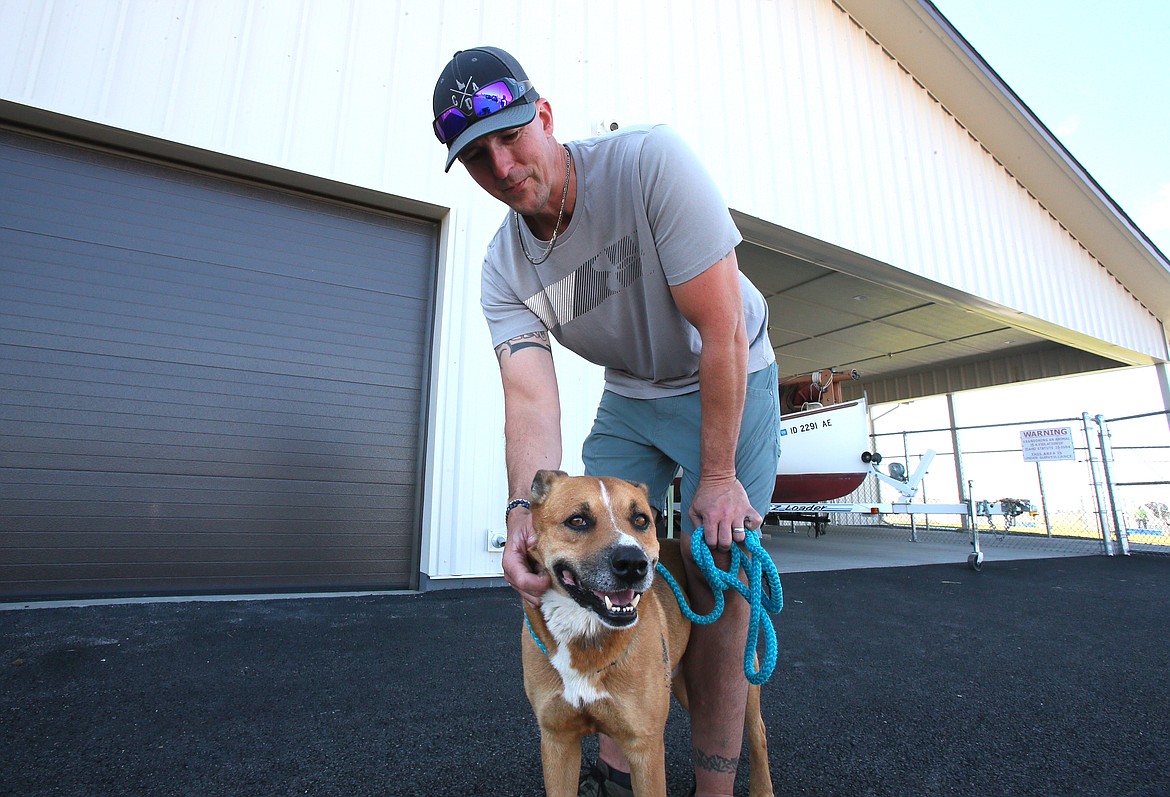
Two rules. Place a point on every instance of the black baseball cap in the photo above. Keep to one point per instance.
(467, 72)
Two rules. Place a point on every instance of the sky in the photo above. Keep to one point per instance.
(1097, 75)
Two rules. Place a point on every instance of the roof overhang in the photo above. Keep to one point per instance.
(917, 35)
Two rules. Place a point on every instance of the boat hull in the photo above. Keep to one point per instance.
(821, 453)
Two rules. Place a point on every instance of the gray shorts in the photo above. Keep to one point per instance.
(648, 440)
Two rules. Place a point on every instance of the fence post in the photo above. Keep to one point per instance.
(960, 476)
(909, 470)
(1101, 525)
(976, 558)
(1043, 500)
(1107, 455)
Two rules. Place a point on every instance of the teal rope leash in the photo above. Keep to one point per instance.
(532, 633)
(760, 569)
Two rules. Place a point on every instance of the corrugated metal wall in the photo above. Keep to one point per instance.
(804, 120)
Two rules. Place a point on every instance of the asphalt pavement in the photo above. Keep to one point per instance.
(1032, 677)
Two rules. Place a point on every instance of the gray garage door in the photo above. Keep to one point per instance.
(205, 385)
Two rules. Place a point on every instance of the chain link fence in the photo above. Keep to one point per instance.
(1138, 480)
(1109, 493)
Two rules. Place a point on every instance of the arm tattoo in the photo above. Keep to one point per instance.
(714, 762)
(538, 340)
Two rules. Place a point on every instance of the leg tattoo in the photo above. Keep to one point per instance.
(714, 762)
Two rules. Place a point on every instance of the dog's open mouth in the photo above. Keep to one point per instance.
(616, 608)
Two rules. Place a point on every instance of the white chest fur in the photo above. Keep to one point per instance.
(567, 621)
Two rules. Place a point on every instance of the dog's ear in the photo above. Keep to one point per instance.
(640, 486)
(543, 483)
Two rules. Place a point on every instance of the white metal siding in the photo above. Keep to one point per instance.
(802, 117)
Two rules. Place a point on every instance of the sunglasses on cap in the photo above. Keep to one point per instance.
(491, 98)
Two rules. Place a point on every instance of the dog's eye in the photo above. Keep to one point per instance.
(640, 521)
(578, 522)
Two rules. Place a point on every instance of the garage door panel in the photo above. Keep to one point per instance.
(193, 552)
(156, 508)
(108, 303)
(195, 387)
(88, 195)
(177, 404)
(29, 423)
(60, 272)
(262, 325)
(180, 495)
(271, 459)
(74, 583)
(87, 271)
(203, 576)
(173, 335)
(234, 524)
(233, 464)
(190, 533)
(373, 440)
(214, 355)
(204, 384)
(68, 370)
(147, 434)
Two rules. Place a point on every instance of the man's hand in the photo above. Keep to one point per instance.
(722, 508)
(519, 570)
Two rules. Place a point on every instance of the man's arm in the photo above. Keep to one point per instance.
(713, 303)
(532, 439)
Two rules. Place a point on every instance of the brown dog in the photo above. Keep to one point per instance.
(612, 633)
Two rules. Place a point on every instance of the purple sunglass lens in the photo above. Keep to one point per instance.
(491, 98)
(451, 123)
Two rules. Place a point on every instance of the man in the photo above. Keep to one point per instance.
(622, 248)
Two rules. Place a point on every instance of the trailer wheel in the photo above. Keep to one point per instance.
(975, 561)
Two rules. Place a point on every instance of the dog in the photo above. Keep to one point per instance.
(603, 652)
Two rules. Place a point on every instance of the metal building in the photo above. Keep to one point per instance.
(240, 340)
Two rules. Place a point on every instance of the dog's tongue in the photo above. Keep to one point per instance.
(623, 598)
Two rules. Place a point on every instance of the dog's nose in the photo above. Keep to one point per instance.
(629, 563)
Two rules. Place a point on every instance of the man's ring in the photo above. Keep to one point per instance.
(738, 531)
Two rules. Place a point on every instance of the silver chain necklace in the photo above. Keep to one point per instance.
(560, 215)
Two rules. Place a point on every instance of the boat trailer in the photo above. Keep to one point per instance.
(907, 486)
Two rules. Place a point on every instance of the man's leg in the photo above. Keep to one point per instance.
(715, 680)
(716, 685)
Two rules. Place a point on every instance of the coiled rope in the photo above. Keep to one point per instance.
(760, 568)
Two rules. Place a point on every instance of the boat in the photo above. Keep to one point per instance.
(824, 447)
(824, 452)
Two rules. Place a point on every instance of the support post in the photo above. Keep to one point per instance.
(1107, 466)
(960, 476)
(1101, 524)
(906, 459)
(1163, 372)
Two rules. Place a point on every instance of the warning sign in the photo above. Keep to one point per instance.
(1047, 444)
